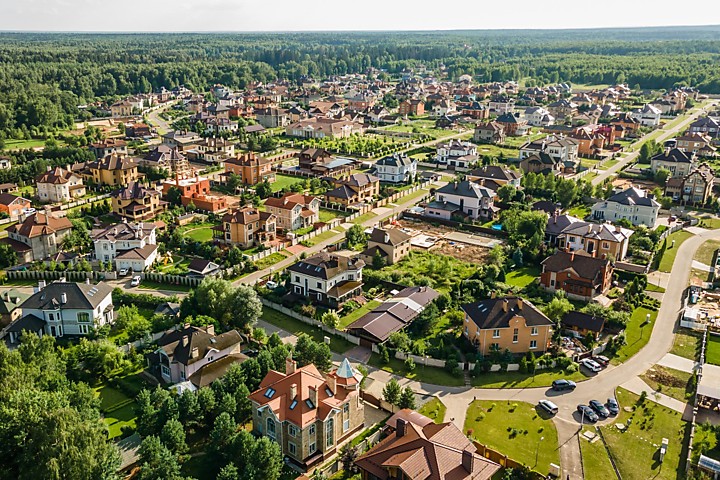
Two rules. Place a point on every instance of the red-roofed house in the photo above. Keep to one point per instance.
(294, 210)
(307, 413)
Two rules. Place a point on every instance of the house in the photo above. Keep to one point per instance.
(562, 109)
(121, 109)
(5, 163)
(540, 163)
(490, 132)
(182, 140)
(327, 279)
(380, 114)
(246, 227)
(627, 122)
(511, 323)
(396, 168)
(514, 126)
(501, 105)
(495, 176)
(696, 143)
(695, 188)
(137, 202)
(648, 116)
(137, 130)
(250, 168)
(202, 268)
(392, 315)
(272, 117)
(182, 352)
(357, 188)
(128, 245)
(456, 153)
(476, 111)
(10, 306)
(412, 107)
(677, 161)
(321, 163)
(538, 117)
(14, 206)
(59, 185)
(107, 147)
(633, 204)
(556, 224)
(211, 150)
(195, 190)
(443, 108)
(578, 274)
(583, 323)
(602, 240)
(392, 244)
(38, 236)
(705, 125)
(64, 309)
(294, 210)
(306, 413)
(561, 149)
(114, 169)
(424, 450)
(464, 198)
(321, 127)
(171, 159)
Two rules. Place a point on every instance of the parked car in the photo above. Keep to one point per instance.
(612, 406)
(587, 413)
(599, 408)
(590, 365)
(548, 406)
(122, 272)
(271, 285)
(560, 385)
(135, 281)
(602, 360)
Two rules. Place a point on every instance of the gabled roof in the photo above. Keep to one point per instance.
(584, 265)
(673, 155)
(290, 201)
(497, 312)
(557, 223)
(180, 345)
(603, 231)
(396, 160)
(8, 199)
(81, 296)
(495, 172)
(135, 191)
(113, 162)
(325, 266)
(634, 196)
(583, 321)
(124, 231)
(389, 236)
(39, 224)
(466, 188)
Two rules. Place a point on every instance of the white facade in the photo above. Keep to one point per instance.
(456, 153)
(397, 171)
(559, 148)
(113, 242)
(640, 210)
(61, 192)
(538, 117)
(501, 107)
(648, 116)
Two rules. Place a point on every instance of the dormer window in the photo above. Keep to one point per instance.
(269, 393)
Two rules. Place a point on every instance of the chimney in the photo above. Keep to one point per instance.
(210, 329)
(493, 294)
(572, 257)
(520, 303)
(332, 383)
(293, 391)
(618, 228)
(555, 216)
(505, 305)
(312, 394)
(589, 227)
(401, 427)
(195, 352)
(63, 298)
(468, 460)
(184, 340)
(290, 366)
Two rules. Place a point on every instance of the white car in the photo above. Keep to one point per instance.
(135, 281)
(122, 272)
(591, 365)
(271, 285)
(548, 406)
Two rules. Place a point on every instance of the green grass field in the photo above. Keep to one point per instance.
(516, 430)
(421, 373)
(442, 270)
(706, 252)
(282, 181)
(671, 382)
(150, 285)
(712, 355)
(711, 223)
(270, 260)
(637, 334)
(668, 257)
(636, 451)
(524, 380)
(522, 277)
(351, 317)
(579, 211)
(596, 463)
(364, 218)
(434, 410)
(687, 344)
(118, 409)
(322, 237)
(296, 327)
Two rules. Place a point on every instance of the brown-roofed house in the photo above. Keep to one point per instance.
(108, 146)
(307, 413)
(246, 227)
(325, 278)
(425, 451)
(137, 202)
(114, 169)
(13, 205)
(59, 185)
(250, 168)
(391, 244)
(294, 210)
(357, 188)
(41, 232)
(579, 274)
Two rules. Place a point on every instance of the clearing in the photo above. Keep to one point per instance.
(434, 410)
(673, 383)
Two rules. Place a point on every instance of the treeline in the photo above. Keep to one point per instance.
(44, 77)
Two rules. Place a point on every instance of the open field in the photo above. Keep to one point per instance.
(596, 462)
(637, 334)
(687, 344)
(712, 355)
(671, 382)
(296, 327)
(522, 277)
(282, 181)
(668, 256)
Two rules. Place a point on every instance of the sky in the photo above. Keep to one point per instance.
(302, 15)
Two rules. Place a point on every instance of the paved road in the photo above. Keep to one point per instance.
(660, 138)
(157, 121)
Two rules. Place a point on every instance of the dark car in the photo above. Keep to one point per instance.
(599, 408)
(602, 360)
(560, 385)
(587, 413)
(612, 406)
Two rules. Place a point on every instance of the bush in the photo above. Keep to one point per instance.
(409, 364)
(572, 368)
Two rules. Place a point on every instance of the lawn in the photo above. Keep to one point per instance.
(412, 196)
(270, 260)
(687, 344)
(364, 218)
(118, 409)
(610, 163)
(326, 215)
(421, 373)
(282, 181)
(637, 334)
(434, 410)
(712, 354)
(200, 234)
(352, 316)
(596, 463)
(706, 252)
(671, 382)
(296, 327)
(522, 277)
(151, 285)
(668, 255)
(579, 211)
(442, 270)
(711, 223)
(14, 144)
(636, 451)
(516, 430)
(654, 288)
(321, 237)
(524, 380)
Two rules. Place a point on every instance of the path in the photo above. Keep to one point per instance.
(160, 124)
(676, 362)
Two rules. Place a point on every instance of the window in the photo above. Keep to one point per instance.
(346, 425)
(312, 430)
(606, 245)
(330, 432)
(533, 330)
(496, 333)
(533, 344)
(552, 283)
(313, 448)
(83, 317)
(515, 335)
(165, 370)
(291, 448)
(297, 279)
(346, 408)
(495, 347)
(292, 430)
(51, 317)
(271, 428)
(84, 329)
(319, 284)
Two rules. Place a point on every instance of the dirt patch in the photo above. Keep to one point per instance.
(461, 251)
(665, 378)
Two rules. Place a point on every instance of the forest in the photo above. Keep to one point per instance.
(45, 77)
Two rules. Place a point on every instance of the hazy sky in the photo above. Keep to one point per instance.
(247, 15)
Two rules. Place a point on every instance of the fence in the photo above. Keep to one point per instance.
(147, 340)
(172, 279)
(310, 321)
(54, 275)
(503, 460)
(85, 201)
(693, 422)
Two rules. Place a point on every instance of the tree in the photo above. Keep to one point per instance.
(245, 308)
(506, 193)
(174, 196)
(229, 472)
(348, 455)
(355, 237)
(8, 256)
(157, 461)
(661, 176)
(173, 436)
(378, 260)
(407, 399)
(308, 351)
(557, 308)
(222, 434)
(331, 318)
(263, 189)
(392, 391)
(267, 459)
(134, 324)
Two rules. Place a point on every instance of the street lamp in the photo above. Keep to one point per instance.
(537, 450)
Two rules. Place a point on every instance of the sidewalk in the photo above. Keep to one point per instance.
(637, 386)
(678, 363)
